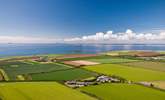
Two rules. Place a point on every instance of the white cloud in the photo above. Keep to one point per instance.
(128, 36)
(108, 37)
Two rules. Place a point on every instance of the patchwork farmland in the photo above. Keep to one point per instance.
(116, 75)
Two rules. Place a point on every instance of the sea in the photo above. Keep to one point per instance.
(12, 49)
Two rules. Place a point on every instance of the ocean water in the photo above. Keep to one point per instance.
(34, 49)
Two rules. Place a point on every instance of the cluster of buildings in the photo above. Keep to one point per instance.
(104, 79)
(99, 80)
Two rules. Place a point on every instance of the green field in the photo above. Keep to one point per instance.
(129, 73)
(70, 74)
(17, 68)
(112, 60)
(39, 91)
(159, 66)
(124, 92)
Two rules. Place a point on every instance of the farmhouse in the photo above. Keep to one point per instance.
(104, 79)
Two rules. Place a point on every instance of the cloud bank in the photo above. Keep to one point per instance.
(108, 37)
(124, 37)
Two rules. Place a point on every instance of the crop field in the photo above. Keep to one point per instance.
(79, 63)
(129, 73)
(17, 68)
(159, 66)
(113, 60)
(124, 92)
(70, 74)
(39, 91)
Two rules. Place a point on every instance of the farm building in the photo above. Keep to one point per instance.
(104, 79)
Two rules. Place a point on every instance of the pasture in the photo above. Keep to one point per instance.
(13, 69)
(69, 74)
(123, 92)
(129, 73)
(158, 66)
(39, 91)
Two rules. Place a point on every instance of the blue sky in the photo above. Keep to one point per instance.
(75, 18)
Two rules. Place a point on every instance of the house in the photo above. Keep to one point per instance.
(104, 79)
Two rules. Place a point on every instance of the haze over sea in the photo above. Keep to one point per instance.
(34, 49)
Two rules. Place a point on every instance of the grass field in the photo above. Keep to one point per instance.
(112, 60)
(129, 73)
(70, 74)
(17, 68)
(159, 66)
(39, 91)
(124, 92)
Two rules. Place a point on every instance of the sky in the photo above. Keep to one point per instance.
(47, 21)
